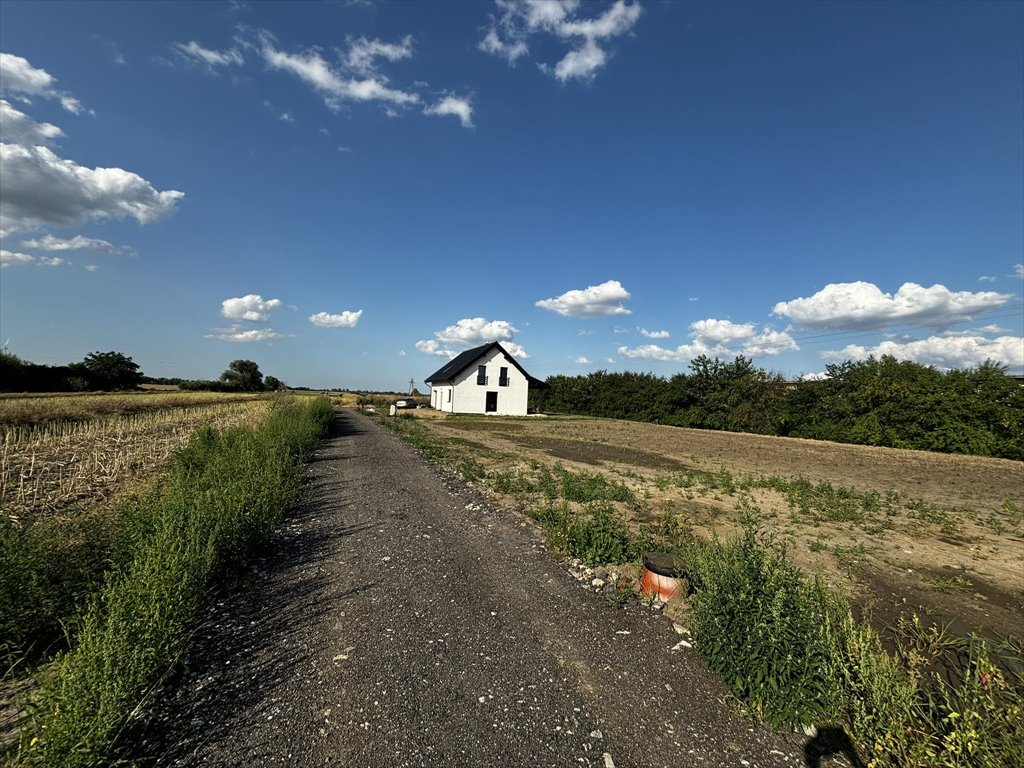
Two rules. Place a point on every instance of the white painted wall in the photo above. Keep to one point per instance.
(469, 397)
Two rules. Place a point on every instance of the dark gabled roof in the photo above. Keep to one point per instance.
(459, 363)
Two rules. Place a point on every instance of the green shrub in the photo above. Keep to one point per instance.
(763, 628)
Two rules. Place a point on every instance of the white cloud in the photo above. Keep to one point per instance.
(52, 261)
(401, 353)
(18, 128)
(453, 105)
(241, 334)
(592, 301)
(654, 334)
(718, 338)
(507, 35)
(1018, 270)
(431, 347)
(42, 189)
(510, 51)
(194, 53)
(346, 319)
(286, 117)
(471, 332)
(582, 332)
(721, 332)
(78, 242)
(10, 258)
(582, 360)
(18, 76)
(331, 83)
(845, 306)
(89, 267)
(987, 279)
(363, 53)
(581, 63)
(816, 376)
(250, 307)
(942, 351)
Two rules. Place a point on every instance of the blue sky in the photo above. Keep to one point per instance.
(349, 192)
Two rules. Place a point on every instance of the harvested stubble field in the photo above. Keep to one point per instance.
(899, 530)
(64, 451)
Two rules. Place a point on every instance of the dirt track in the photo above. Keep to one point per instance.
(402, 622)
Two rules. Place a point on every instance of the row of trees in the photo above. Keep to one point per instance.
(883, 402)
(114, 372)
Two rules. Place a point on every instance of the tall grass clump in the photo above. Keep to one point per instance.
(763, 628)
(793, 652)
(224, 496)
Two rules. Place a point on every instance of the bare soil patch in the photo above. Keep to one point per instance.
(946, 539)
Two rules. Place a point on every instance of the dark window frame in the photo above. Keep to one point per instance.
(503, 380)
(481, 375)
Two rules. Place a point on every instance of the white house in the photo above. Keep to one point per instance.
(485, 379)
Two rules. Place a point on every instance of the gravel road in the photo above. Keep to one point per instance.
(402, 622)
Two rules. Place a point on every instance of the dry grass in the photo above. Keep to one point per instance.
(34, 410)
(67, 450)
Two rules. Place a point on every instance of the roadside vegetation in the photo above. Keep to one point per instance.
(884, 402)
(790, 647)
(116, 589)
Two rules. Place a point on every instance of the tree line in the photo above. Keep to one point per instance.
(116, 372)
(884, 402)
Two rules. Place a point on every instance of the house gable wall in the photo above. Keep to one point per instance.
(469, 397)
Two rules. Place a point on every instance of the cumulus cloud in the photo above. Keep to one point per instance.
(592, 301)
(18, 76)
(333, 84)
(508, 33)
(10, 258)
(241, 334)
(654, 334)
(1018, 270)
(453, 105)
(718, 338)
(250, 307)
(471, 332)
(582, 360)
(78, 242)
(860, 305)
(194, 53)
(18, 128)
(346, 319)
(51, 261)
(945, 352)
(44, 190)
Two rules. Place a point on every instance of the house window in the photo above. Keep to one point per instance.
(503, 377)
(481, 374)
(491, 405)
(449, 394)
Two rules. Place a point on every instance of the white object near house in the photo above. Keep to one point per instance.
(485, 379)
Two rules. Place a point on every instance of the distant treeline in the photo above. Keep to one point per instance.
(884, 402)
(114, 371)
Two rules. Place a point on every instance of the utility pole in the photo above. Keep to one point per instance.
(412, 385)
